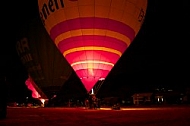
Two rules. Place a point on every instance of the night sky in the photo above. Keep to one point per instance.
(158, 56)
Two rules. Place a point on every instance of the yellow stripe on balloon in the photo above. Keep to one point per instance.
(100, 32)
(93, 48)
(92, 62)
(103, 11)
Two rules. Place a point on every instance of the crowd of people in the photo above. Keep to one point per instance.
(92, 102)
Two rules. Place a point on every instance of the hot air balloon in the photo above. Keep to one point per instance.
(43, 61)
(92, 34)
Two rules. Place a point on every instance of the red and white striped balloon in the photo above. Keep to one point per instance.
(92, 34)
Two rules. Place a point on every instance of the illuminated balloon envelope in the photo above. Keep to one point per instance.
(41, 58)
(36, 92)
(92, 34)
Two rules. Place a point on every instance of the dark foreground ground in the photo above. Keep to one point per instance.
(153, 116)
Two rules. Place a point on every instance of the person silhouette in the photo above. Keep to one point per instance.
(3, 97)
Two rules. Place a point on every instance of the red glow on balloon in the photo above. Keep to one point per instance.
(93, 34)
(30, 85)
